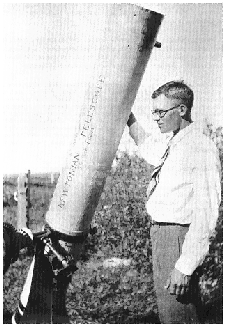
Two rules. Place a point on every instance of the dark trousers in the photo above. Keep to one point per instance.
(167, 243)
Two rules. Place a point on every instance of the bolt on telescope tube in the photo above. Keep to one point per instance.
(157, 44)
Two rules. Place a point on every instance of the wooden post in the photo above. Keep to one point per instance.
(52, 178)
(23, 195)
(28, 199)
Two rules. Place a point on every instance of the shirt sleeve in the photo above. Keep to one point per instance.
(206, 201)
(152, 150)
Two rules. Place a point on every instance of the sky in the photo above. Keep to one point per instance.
(50, 50)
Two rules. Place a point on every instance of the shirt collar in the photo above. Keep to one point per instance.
(183, 133)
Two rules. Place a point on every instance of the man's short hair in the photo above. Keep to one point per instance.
(176, 90)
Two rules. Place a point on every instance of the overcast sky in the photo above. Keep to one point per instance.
(42, 87)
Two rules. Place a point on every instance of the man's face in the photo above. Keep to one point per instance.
(172, 119)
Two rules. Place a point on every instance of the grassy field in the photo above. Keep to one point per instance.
(121, 294)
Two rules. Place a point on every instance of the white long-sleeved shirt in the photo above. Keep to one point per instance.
(188, 192)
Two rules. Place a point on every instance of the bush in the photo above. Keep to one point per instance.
(212, 286)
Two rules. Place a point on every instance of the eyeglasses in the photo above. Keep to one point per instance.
(162, 113)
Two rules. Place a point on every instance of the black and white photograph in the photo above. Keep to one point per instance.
(112, 163)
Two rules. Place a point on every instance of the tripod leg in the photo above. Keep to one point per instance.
(70, 249)
(43, 299)
(60, 286)
(35, 304)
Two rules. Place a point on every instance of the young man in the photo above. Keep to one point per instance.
(183, 201)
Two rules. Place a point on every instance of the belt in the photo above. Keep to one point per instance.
(168, 224)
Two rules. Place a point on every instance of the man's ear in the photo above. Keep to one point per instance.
(183, 110)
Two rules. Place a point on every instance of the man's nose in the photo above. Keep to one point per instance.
(156, 118)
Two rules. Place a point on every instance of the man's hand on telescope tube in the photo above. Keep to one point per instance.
(177, 283)
(136, 130)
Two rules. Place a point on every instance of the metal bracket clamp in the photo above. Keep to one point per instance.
(157, 44)
(61, 265)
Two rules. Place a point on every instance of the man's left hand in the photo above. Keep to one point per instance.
(177, 283)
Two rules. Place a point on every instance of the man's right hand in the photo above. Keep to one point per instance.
(177, 283)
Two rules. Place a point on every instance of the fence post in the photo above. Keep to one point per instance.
(23, 195)
(28, 199)
(52, 178)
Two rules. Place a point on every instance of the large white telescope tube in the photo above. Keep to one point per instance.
(130, 35)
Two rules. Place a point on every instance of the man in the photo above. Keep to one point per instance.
(183, 201)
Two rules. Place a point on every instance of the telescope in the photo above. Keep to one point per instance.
(129, 37)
